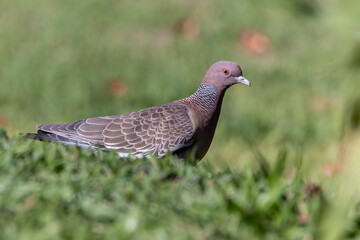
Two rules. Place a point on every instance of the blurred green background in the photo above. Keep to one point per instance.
(64, 60)
(67, 60)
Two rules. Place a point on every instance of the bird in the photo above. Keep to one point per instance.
(183, 127)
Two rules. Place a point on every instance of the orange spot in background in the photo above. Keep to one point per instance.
(117, 87)
(254, 42)
(189, 28)
(3, 121)
(330, 169)
(304, 218)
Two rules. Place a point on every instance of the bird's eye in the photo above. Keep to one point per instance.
(225, 72)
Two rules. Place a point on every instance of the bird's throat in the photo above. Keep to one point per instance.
(205, 97)
(207, 101)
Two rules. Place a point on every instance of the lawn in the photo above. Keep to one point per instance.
(285, 159)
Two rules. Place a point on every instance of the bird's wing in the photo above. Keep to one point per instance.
(152, 130)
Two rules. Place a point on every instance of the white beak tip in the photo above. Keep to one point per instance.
(243, 80)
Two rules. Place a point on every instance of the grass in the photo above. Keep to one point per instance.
(55, 192)
(284, 160)
(50, 191)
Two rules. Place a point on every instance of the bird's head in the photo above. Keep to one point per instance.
(224, 74)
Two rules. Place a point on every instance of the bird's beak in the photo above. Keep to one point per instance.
(243, 80)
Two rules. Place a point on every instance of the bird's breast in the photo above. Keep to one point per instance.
(204, 125)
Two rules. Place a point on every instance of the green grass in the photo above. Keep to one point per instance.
(57, 59)
(49, 191)
(54, 192)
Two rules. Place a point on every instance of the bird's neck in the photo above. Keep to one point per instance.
(207, 100)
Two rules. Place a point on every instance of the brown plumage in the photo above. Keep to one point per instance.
(182, 127)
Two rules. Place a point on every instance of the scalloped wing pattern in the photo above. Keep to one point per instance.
(153, 130)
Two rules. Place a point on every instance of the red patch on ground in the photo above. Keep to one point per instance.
(3, 121)
(330, 169)
(254, 42)
(117, 87)
(189, 28)
(304, 218)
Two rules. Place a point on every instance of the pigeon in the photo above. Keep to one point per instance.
(183, 127)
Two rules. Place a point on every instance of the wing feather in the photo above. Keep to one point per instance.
(149, 131)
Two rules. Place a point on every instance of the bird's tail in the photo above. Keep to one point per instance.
(42, 136)
(52, 137)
